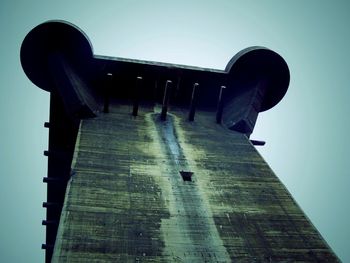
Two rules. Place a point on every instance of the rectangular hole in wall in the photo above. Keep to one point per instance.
(186, 176)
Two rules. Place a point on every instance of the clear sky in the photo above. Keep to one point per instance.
(306, 133)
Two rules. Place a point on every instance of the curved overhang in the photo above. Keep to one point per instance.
(48, 38)
(260, 63)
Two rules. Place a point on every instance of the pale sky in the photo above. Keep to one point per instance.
(306, 133)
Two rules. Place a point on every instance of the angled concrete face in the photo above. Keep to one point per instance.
(152, 161)
(127, 200)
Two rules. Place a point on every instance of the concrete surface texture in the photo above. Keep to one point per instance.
(128, 202)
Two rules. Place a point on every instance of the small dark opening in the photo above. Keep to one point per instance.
(186, 176)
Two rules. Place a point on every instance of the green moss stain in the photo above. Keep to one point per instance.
(190, 234)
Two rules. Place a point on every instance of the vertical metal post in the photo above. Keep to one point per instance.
(220, 105)
(177, 89)
(155, 90)
(107, 91)
(137, 89)
(166, 100)
(193, 102)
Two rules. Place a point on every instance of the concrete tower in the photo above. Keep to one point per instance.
(152, 162)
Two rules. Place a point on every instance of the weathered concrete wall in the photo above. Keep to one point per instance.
(128, 202)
